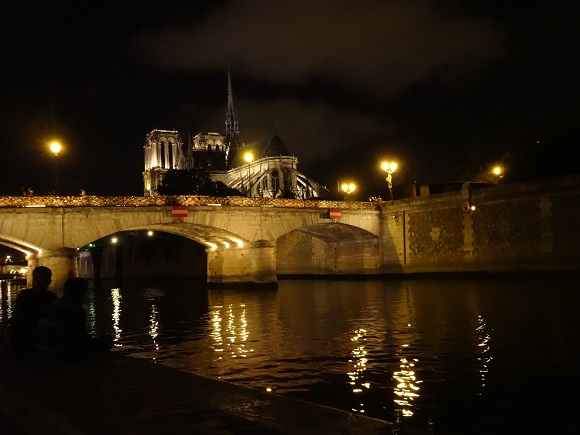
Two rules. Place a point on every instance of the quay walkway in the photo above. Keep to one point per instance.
(123, 395)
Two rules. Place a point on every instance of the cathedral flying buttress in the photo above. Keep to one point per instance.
(263, 168)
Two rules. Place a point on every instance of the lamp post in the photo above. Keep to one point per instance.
(55, 148)
(389, 168)
(249, 157)
(348, 188)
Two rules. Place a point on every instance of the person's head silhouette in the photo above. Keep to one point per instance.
(41, 278)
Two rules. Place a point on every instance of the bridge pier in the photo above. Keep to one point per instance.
(62, 262)
(254, 264)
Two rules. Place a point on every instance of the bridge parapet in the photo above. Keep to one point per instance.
(186, 200)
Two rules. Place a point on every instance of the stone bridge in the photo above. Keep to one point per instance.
(525, 227)
(241, 235)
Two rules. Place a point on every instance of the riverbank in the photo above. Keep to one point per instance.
(127, 395)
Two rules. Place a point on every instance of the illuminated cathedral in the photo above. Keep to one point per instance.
(264, 168)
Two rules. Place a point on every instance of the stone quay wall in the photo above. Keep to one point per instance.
(532, 226)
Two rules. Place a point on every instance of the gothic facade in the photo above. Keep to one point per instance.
(264, 168)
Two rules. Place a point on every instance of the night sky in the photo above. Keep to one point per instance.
(445, 87)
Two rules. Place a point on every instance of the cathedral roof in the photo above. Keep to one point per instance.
(269, 147)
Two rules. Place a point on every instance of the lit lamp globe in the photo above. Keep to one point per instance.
(497, 171)
(348, 188)
(55, 147)
(248, 157)
(389, 167)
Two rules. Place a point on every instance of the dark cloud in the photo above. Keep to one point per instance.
(368, 46)
(436, 84)
(311, 130)
(321, 73)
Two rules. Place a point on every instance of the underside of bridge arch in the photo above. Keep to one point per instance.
(210, 237)
(328, 249)
(176, 250)
(230, 259)
(20, 245)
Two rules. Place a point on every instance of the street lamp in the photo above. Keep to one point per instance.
(497, 171)
(348, 188)
(55, 148)
(389, 168)
(249, 157)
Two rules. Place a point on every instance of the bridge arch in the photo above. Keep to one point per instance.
(327, 249)
(20, 245)
(211, 237)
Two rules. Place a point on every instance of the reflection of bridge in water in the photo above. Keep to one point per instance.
(532, 226)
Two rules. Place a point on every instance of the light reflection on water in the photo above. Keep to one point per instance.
(116, 316)
(420, 349)
(6, 300)
(485, 349)
(359, 362)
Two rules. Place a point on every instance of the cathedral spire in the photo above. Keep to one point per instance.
(232, 138)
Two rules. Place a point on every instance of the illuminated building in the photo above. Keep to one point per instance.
(272, 173)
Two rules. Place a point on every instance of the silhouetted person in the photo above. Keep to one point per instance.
(62, 329)
(28, 307)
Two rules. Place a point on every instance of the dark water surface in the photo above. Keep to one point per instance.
(472, 356)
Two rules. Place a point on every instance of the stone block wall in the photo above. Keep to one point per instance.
(256, 264)
(436, 234)
(507, 231)
(527, 226)
(301, 254)
(565, 210)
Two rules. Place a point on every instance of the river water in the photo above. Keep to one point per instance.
(485, 356)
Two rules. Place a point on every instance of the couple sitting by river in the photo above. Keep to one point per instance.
(54, 329)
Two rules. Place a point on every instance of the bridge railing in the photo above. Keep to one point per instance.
(187, 200)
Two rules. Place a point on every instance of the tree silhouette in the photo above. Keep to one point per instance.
(193, 182)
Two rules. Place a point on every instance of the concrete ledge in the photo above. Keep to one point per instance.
(124, 395)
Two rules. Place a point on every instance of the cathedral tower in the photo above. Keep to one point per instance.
(163, 151)
(232, 138)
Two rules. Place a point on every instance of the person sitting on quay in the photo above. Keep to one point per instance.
(20, 336)
(62, 329)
